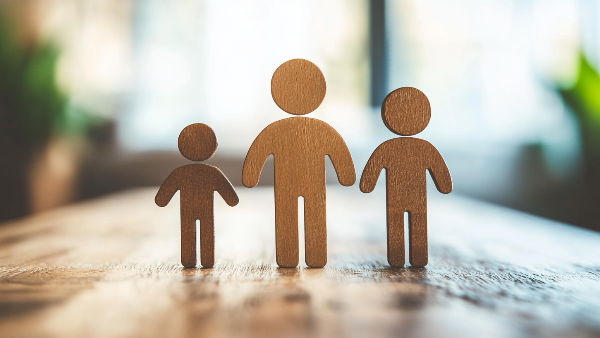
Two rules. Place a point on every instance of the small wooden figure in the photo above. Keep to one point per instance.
(197, 183)
(299, 146)
(406, 111)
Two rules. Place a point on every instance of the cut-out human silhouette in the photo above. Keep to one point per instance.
(406, 111)
(197, 184)
(299, 146)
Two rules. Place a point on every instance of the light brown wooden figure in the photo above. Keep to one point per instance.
(197, 184)
(406, 111)
(299, 146)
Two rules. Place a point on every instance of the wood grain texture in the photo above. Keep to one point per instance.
(406, 111)
(299, 146)
(298, 87)
(197, 142)
(110, 268)
(197, 183)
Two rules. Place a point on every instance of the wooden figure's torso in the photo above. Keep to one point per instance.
(197, 184)
(406, 161)
(299, 146)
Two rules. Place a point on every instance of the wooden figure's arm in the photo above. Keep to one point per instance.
(342, 161)
(227, 192)
(167, 189)
(439, 172)
(255, 160)
(370, 174)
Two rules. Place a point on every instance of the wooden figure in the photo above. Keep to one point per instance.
(197, 183)
(299, 146)
(406, 111)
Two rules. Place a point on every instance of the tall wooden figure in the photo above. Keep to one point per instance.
(406, 111)
(299, 146)
(197, 183)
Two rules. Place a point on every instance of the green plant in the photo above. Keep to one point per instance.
(583, 99)
(32, 110)
(32, 106)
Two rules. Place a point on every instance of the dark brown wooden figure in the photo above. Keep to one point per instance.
(197, 183)
(406, 111)
(299, 146)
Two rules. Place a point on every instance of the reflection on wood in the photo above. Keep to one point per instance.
(110, 268)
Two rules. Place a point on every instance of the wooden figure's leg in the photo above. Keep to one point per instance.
(395, 237)
(207, 241)
(315, 230)
(188, 241)
(418, 255)
(286, 230)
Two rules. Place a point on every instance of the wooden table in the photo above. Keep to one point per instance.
(110, 268)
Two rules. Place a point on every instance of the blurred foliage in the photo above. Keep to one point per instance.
(583, 98)
(32, 107)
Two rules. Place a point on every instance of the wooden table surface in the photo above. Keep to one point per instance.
(110, 268)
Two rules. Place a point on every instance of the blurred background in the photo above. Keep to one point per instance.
(94, 93)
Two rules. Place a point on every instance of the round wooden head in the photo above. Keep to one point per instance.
(298, 87)
(406, 111)
(197, 142)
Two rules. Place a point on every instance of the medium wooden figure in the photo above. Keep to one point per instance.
(406, 111)
(299, 146)
(197, 184)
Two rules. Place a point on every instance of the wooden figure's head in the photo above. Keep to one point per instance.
(298, 87)
(197, 142)
(406, 111)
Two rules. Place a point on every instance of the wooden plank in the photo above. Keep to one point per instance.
(110, 268)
